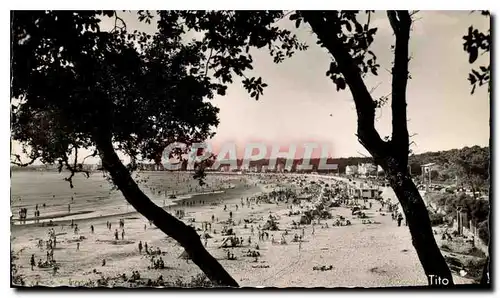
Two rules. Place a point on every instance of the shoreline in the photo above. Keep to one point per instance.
(59, 219)
(375, 254)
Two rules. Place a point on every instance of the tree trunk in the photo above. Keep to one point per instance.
(185, 235)
(419, 223)
(391, 155)
(485, 277)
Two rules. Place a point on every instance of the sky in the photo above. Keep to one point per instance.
(301, 103)
(300, 98)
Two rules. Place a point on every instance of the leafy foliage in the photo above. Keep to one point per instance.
(73, 81)
(436, 219)
(478, 43)
(466, 163)
(102, 82)
(484, 231)
(477, 210)
(227, 36)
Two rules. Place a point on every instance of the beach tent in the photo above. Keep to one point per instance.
(184, 255)
(304, 219)
(224, 241)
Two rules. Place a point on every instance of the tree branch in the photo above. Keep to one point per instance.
(208, 62)
(400, 22)
(75, 168)
(116, 27)
(18, 161)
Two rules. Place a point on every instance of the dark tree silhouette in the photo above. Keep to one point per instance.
(75, 86)
(472, 166)
(349, 66)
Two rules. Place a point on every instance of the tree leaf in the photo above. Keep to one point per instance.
(472, 54)
(297, 23)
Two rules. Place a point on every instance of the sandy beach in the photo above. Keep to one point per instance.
(377, 254)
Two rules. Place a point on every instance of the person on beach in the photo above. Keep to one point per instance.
(400, 219)
(123, 234)
(32, 261)
(69, 208)
(78, 246)
(213, 218)
(140, 247)
(144, 227)
(146, 248)
(54, 269)
(116, 234)
(92, 229)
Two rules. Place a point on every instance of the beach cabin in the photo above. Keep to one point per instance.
(363, 191)
(369, 193)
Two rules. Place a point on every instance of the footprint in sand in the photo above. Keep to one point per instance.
(377, 270)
